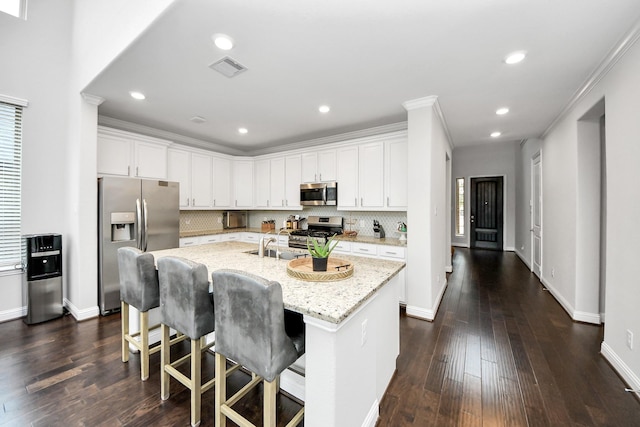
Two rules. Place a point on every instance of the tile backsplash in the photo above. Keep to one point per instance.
(212, 220)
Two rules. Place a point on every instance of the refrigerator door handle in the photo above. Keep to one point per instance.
(145, 212)
(139, 224)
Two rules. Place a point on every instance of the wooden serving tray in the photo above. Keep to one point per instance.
(302, 268)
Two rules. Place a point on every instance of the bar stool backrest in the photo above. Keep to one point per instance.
(250, 328)
(185, 304)
(138, 279)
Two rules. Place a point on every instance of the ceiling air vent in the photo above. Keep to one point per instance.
(228, 67)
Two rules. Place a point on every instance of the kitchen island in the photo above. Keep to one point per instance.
(352, 330)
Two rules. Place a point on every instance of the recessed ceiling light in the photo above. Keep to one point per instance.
(515, 57)
(495, 134)
(324, 109)
(502, 111)
(137, 95)
(223, 41)
(243, 130)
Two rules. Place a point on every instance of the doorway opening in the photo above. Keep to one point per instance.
(486, 216)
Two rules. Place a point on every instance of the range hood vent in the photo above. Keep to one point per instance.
(228, 67)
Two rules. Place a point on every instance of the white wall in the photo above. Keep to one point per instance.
(53, 55)
(35, 67)
(428, 253)
(524, 198)
(498, 159)
(620, 89)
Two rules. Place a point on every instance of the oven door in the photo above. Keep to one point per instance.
(313, 194)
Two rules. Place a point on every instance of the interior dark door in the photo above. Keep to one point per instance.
(486, 213)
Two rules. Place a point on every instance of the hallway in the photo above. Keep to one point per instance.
(502, 352)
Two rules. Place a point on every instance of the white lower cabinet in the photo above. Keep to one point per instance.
(248, 237)
(189, 241)
(212, 238)
(364, 249)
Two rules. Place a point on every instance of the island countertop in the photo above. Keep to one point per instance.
(329, 301)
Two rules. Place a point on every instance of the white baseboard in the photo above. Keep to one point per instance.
(460, 245)
(578, 316)
(629, 377)
(14, 313)
(448, 268)
(524, 260)
(427, 313)
(80, 315)
(510, 249)
(372, 416)
(292, 383)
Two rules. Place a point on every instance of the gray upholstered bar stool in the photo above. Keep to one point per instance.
(138, 289)
(186, 306)
(251, 330)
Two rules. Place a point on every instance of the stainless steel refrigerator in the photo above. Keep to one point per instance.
(142, 213)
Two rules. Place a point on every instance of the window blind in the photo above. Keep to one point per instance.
(10, 185)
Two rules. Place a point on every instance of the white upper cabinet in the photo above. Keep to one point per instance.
(221, 182)
(261, 186)
(127, 154)
(242, 184)
(396, 179)
(179, 170)
(293, 179)
(277, 183)
(348, 177)
(319, 166)
(201, 181)
(371, 175)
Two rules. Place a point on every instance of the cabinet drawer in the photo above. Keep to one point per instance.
(343, 247)
(251, 237)
(213, 238)
(391, 252)
(364, 249)
(229, 236)
(189, 241)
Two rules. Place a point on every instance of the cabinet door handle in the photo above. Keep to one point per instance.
(128, 170)
(364, 250)
(315, 176)
(320, 177)
(194, 201)
(236, 203)
(137, 174)
(387, 200)
(187, 201)
(361, 201)
(267, 203)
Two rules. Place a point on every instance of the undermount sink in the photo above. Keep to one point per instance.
(271, 253)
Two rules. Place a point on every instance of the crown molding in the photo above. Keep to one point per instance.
(414, 104)
(13, 100)
(608, 62)
(174, 137)
(430, 101)
(347, 136)
(92, 99)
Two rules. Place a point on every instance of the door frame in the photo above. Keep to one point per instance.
(468, 201)
(534, 157)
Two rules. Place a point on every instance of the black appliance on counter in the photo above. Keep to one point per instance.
(320, 228)
(42, 281)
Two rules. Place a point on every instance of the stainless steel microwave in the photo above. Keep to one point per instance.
(319, 194)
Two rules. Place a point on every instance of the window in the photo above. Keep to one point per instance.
(10, 183)
(459, 206)
(17, 8)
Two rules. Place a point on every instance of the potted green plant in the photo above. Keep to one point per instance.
(320, 252)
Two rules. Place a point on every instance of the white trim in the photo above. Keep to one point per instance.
(598, 74)
(629, 377)
(92, 99)
(292, 383)
(578, 316)
(12, 314)
(523, 259)
(15, 101)
(80, 315)
(417, 103)
(372, 415)
(448, 268)
(509, 249)
(460, 244)
(427, 314)
(586, 317)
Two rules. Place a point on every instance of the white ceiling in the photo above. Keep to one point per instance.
(364, 59)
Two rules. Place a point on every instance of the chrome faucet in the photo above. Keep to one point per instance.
(278, 241)
(264, 242)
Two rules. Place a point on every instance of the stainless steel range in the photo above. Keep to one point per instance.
(320, 228)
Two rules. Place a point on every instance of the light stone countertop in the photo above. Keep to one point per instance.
(358, 239)
(328, 301)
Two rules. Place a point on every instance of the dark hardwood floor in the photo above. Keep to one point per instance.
(501, 352)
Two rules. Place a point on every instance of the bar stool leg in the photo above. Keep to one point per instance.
(144, 343)
(221, 389)
(269, 403)
(196, 380)
(165, 359)
(124, 319)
